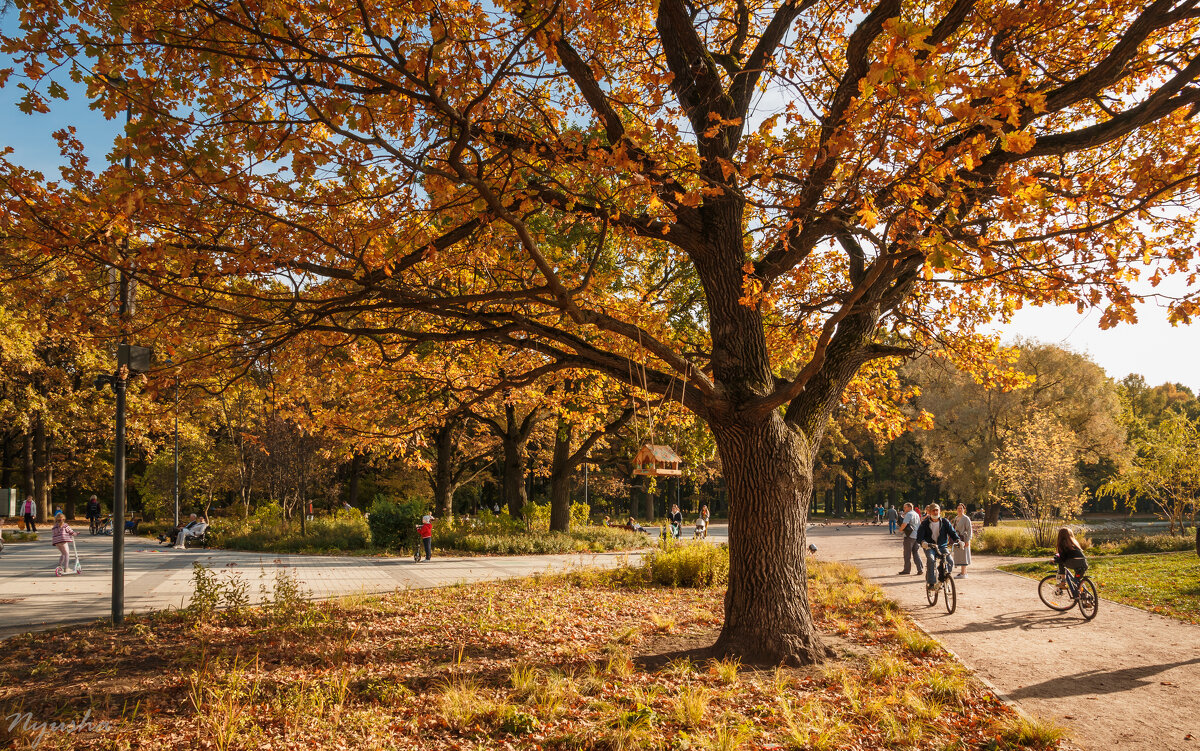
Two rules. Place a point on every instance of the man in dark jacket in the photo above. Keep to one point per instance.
(935, 535)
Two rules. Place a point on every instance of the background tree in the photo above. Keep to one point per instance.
(974, 417)
(1037, 475)
(1164, 468)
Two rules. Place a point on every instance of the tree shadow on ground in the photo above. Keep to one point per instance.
(1097, 681)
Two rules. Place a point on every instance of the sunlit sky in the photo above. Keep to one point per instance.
(1160, 352)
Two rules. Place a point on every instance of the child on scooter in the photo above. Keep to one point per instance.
(61, 537)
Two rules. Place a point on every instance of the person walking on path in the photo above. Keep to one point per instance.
(426, 532)
(891, 517)
(936, 534)
(28, 511)
(962, 555)
(62, 535)
(908, 526)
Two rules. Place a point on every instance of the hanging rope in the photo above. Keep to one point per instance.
(633, 405)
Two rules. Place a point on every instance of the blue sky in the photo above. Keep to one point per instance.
(1160, 352)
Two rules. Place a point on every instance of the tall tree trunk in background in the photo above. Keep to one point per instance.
(27, 464)
(355, 470)
(514, 465)
(635, 499)
(648, 498)
(6, 471)
(991, 513)
(443, 481)
(41, 471)
(561, 472)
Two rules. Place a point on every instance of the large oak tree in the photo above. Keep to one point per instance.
(828, 182)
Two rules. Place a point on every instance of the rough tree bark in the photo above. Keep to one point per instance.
(561, 471)
(513, 440)
(769, 471)
(443, 480)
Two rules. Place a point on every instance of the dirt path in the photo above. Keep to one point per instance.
(1126, 680)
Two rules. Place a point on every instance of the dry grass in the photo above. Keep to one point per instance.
(544, 662)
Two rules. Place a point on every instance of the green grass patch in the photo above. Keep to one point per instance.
(348, 533)
(521, 542)
(1167, 584)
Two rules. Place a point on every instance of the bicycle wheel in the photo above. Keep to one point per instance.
(931, 595)
(1089, 601)
(951, 591)
(1056, 596)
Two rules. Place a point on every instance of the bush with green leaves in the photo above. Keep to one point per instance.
(341, 531)
(694, 564)
(392, 522)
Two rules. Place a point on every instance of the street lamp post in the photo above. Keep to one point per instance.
(130, 359)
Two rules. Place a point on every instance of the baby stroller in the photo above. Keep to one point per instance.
(701, 528)
(58, 570)
(104, 526)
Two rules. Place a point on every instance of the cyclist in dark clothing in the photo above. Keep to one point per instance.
(935, 534)
(92, 512)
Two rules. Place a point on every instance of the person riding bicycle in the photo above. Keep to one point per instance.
(92, 512)
(1069, 554)
(935, 535)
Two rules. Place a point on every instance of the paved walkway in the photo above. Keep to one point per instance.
(157, 578)
(1126, 680)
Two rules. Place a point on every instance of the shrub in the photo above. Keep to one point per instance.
(344, 530)
(696, 564)
(537, 517)
(1163, 543)
(392, 522)
(581, 515)
(480, 539)
(1010, 541)
(1019, 541)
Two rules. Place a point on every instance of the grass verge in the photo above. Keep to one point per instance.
(1167, 584)
(1017, 541)
(598, 663)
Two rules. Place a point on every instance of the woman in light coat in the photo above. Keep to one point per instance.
(962, 555)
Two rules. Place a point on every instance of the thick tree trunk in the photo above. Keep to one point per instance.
(648, 498)
(768, 468)
(560, 479)
(443, 482)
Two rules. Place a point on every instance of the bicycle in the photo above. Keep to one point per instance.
(1063, 593)
(418, 547)
(945, 579)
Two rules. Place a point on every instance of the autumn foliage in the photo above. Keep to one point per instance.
(740, 206)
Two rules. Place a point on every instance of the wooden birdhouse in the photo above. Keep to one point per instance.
(653, 460)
